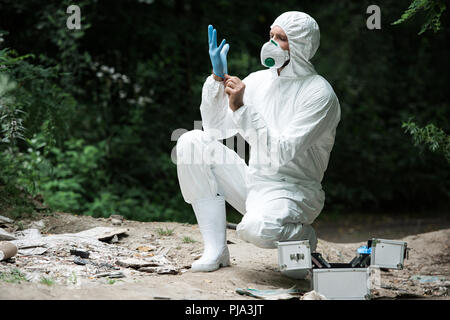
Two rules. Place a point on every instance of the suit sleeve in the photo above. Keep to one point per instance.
(216, 119)
(316, 113)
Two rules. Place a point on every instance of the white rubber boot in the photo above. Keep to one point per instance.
(211, 218)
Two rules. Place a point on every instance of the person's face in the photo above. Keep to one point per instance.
(277, 34)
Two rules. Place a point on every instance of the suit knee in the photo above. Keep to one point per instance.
(258, 231)
(189, 147)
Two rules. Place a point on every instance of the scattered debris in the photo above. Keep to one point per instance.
(6, 220)
(427, 279)
(116, 220)
(160, 270)
(313, 295)
(39, 225)
(31, 233)
(80, 253)
(441, 291)
(146, 248)
(4, 235)
(114, 239)
(112, 275)
(275, 294)
(52, 256)
(134, 263)
(32, 251)
(79, 261)
(101, 233)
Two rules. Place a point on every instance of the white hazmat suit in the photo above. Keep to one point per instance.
(289, 121)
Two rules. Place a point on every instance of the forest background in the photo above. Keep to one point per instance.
(87, 116)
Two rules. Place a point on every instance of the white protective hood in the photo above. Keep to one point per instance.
(304, 39)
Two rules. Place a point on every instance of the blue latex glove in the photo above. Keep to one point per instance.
(218, 55)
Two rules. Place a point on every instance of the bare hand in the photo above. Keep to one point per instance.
(235, 89)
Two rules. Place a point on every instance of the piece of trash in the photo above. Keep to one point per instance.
(441, 291)
(32, 251)
(161, 298)
(162, 251)
(114, 239)
(140, 263)
(4, 235)
(113, 275)
(28, 234)
(4, 219)
(160, 270)
(39, 225)
(145, 248)
(427, 279)
(101, 233)
(79, 261)
(274, 294)
(208, 281)
(7, 250)
(313, 295)
(80, 253)
(117, 217)
(105, 265)
(116, 222)
(230, 242)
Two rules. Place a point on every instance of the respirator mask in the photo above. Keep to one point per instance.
(272, 56)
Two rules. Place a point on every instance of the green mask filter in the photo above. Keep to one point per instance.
(272, 56)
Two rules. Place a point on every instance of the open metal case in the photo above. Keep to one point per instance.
(344, 281)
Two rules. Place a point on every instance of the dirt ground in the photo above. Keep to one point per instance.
(252, 267)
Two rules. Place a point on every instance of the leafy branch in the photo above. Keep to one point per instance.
(433, 10)
(10, 115)
(430, 135)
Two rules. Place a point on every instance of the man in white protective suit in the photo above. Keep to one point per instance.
(288, 114)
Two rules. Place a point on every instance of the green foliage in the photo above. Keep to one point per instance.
(165, 232)
(13, 276)
(432, 137)
(47, 281)
(188, 240)
(97, 107)
(10, 115)
(433, 10)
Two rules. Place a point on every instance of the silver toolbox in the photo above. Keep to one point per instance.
(342, 283)
(388, 254)
(294, 255)
(294, 259)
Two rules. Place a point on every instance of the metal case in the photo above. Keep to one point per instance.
(294, 255)
(342, 283)
(388, 253)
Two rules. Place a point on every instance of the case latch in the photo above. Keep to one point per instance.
(297, 256)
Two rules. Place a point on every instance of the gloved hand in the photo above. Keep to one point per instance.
(218, 55)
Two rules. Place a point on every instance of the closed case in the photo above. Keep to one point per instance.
(294, 255)
(388, 254)
(342, 283)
